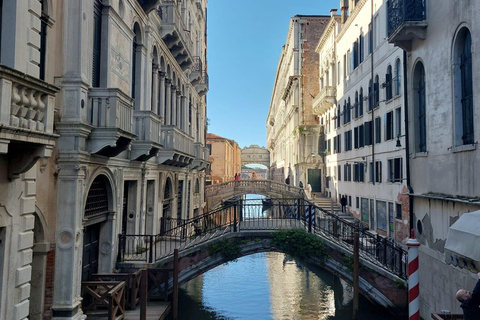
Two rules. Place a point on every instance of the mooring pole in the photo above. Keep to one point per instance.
(413, 285)
(356, 267)
(144, 295)
(175, 285)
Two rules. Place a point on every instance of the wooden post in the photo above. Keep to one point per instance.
(144, 295)
(175, 285)
(356, 266)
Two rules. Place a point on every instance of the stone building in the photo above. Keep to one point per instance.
(225, 159)
(440, 39)
(102, 132)
(360, 106)
(293, 133)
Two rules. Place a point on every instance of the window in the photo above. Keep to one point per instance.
(398, 77)
(136, 63)
(398, 122)
(339, 143)
(347, 172)
(359, 172)
(463, 88)
(348, 140)
(371, 172)
(364, 209)
(420, 121)
(355, 55)
(398, 211)
(391, 223)
(368, 133)
(378, 130)
(389, 126)
(357, 202)
(349, 111)
(382, 215)
(97, 33)
(356, 104)
(361, 48)
(360, 101)
(395, 170)
(209, 147)
(378, 171)
(339, 123)
(345, 112)
(370, 95)
(355, 137)
(361, 136)
(388, 83)
(344, 66)
(376, 90)
(339, 173)
(338, 72)
(43, 40)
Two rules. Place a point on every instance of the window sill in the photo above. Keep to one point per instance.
(420, 155)
(467, 147)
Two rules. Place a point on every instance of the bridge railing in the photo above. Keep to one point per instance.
(275, 214)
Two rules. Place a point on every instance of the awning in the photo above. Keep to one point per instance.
(462, 248)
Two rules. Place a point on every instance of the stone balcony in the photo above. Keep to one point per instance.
(111, 117)
(406, 22)
(324, 100)
(26, 120)
(178, 147)
(148, 126)
(176, 35)
(201, 157)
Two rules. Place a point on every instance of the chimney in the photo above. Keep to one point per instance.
(333, 12)
(344, 10)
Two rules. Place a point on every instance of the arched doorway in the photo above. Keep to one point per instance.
(168, 200)
(97, 209)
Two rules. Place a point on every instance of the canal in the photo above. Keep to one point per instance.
(270, 286)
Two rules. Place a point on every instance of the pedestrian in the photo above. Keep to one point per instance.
(287, 181)
(300, 184)
(470, 301)
(343, 202)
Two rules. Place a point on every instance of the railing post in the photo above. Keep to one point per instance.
(143, 295)
(175, 285)
(150, 258)
(356, 267)
(235, 218)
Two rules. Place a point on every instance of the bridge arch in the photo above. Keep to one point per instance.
(220, 192)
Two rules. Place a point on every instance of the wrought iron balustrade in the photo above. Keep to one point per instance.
(400, 11)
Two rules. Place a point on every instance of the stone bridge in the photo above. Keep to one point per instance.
(383, 263)
(218, 193)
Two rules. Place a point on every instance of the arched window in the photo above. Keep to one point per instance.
(370, 95)
(376, 89)
(419, 108)
(349, 111)
(197, 187)
(398, 77)
(136, 64)
(388, 83)
(463, 88)
(360, 103)
(97, 198)
(356, 104)
(97, 41)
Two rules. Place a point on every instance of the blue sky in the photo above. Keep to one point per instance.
(245, 39)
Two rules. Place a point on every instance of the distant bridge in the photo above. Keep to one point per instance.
(218, 193)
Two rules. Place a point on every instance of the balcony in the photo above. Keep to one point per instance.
(178, 148)
(324, 100)
(176, 35)
(201, 157)
(148, 131)
(26, 120)
(111, 116)
(406, 22)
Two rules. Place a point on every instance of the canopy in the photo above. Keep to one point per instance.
(462, 248)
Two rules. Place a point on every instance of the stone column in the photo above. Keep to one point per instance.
(178, 120)
(174, 105)
(161, 95)
(154, 104)
(69, 243)
(183, 123)
(168, 101)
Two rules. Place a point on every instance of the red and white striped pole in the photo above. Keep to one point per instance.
(413, 287)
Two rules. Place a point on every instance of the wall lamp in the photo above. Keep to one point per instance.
(399, 144)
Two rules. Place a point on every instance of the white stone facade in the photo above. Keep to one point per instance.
(292, 130)
(444, 154)
(119, 117)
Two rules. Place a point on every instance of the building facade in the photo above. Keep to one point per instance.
(103, 133)
(440, 40)
(293, 133)
(361, 110)
(225, 159)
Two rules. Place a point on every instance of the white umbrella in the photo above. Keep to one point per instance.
(462, 248)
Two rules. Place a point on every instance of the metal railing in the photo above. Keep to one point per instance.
(259, 215)
(400, 11)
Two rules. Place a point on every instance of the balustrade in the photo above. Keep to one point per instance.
(406, 21)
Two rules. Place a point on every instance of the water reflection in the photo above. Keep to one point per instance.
(270, 286)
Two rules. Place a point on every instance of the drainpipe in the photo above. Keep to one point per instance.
(407, 140)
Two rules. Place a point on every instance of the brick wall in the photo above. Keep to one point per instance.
(47, 312)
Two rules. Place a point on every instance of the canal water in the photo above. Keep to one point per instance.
(271, 286)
